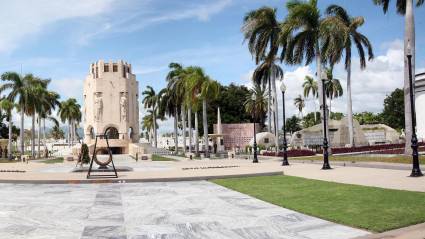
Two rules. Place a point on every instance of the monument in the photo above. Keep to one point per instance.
(111, 105)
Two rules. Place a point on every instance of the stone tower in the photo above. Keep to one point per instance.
(111, 104)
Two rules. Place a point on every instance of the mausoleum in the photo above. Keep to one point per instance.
(111, 105)
(420, 105)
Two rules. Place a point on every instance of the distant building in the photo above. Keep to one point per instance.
(420, 105)
(236, 135)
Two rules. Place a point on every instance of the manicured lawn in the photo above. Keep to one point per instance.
(370, 208)
(393, 159)
(55, 160)
(156, 157)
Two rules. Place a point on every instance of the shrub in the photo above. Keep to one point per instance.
(292, 153)
(85, 158)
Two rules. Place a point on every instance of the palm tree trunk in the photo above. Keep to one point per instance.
(154, 130)
(69, 134)
(409, 36)
(196, 134)
(39, 137)
(33, 137)
(44, 132)
(315, 110)
(9, 143)
(205, 124)
(189, 122)
(321, 93)
(275, 116)
(269, 115)
(184, 128)
(350, 107)
(176, 137)
(22, 131)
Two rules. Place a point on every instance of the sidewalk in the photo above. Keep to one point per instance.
(375, 177)
(412, 232)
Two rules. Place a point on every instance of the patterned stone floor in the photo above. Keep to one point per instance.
(196, 209)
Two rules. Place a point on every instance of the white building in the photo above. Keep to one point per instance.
(111, 105)
(420, 105)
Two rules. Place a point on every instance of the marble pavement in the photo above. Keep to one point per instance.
(194, 209)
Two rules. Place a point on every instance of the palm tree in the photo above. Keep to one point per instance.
(310, 36)
(151, 100)
(206, 89)
(176, 85)
(333, 87)
(69, 111)
(360, 42)
(300, 104)
(264, 35)
(310, 88)
(148, 123)
(57, 132)
(19, 87)
(167, 106)
(258, 106)
(405, 7)
(8, 106)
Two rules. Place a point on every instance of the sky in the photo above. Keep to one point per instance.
(60, 39)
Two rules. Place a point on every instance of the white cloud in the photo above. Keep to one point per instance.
(24, 19)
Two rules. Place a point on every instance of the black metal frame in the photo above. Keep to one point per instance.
(102, 168)
(285, 144)
(416, 170)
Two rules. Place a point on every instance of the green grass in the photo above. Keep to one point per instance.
(9, 161)
(370, 208)
(54, 160)
(156, 157)
(362, 158)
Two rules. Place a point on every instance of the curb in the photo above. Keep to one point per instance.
(138, 180)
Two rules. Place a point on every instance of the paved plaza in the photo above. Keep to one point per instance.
(195, 209)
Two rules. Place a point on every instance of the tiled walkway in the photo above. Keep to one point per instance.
(196, 209)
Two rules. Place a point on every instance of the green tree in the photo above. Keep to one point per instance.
(8, 106)
(405, 7)
(311, 120)
(311, 35)
(393, 113)
(310, 88)
(300, 104)
(360, 42)
(368, 118)
(151, 100)
(333, 87)
(69, 111)
(292, 124)
(57, 133)
(256, 103)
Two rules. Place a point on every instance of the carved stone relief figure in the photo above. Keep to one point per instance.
(124, 106)
(98, 106)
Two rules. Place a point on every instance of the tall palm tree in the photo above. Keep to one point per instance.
(69, 111)
(176, 84)
(151, 100)
(206, 89)
(264, 34)
(148, 123)
(19, 91)
(258, 106)
(333, 87)
(167, 106)
(8, 106)
(300, 104)
(310, 36)
(405, 7)
(310, 88)
(360, 42)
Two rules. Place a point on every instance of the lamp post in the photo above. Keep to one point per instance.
(416, 170)
(254, 98)
(325, 136)
(285, 144)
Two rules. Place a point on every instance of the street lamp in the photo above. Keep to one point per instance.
(324, 114)
(254, 98)
(285, 144)
(416, 170)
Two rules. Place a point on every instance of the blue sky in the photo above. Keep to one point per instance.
(59, 39)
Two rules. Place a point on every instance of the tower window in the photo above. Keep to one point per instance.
(115, 68)
(97, 72)
(106, 68)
